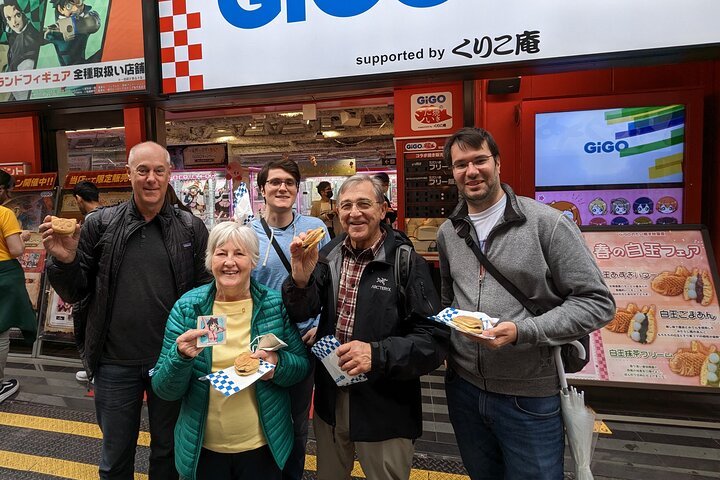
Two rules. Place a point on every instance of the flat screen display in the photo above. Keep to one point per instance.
(608, 147)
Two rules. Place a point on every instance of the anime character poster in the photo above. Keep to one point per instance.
(59, 315)
(57, 48)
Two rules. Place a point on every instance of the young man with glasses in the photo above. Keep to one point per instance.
(132, 261)
(384, 335)
(502, 393)
(278, 182)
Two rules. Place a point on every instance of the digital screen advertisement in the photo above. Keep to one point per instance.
(629, 206)
(666, 330)
(619, 146)
(63, 48)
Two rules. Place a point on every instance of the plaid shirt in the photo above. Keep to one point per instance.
(353, 265)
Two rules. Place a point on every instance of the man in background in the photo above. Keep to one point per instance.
(87, 197)
(278, 182)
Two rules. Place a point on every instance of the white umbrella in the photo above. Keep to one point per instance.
(579, 419)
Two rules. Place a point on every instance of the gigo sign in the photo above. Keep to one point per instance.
(431, 111)
(268, 10)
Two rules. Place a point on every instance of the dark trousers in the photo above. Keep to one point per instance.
(118, 405)
(300, 399)
(251, 465)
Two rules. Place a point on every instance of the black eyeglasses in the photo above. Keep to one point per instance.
(276, 182)
(477, 162)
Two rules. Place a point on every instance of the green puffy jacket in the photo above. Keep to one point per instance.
(175, 377)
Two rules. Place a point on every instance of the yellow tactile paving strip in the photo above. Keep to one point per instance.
(52, 466)
(81, 471)
(60, 426)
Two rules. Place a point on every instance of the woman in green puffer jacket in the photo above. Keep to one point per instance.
(247, 435)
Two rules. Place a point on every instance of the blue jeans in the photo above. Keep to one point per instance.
(118, 405)
(504, 436)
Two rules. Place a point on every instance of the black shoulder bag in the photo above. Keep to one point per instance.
(572, 363)
(279, 251)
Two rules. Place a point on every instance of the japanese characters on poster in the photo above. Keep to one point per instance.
(666, 330)
(56, 48)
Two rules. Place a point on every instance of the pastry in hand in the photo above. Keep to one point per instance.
(710, 370)
(245, 364)
(698, 287)
(313, 237)
(643, 326)
(621, 322)
(688, 362)
(63, 226)
(468, 324)
(670, 284)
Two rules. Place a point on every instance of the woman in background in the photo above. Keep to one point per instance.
(15, 307)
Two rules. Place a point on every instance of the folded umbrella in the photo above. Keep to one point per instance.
(579, 419)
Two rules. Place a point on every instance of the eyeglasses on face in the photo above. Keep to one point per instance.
(159, 172)
(477, 162)
(362, 205)
(276, 182)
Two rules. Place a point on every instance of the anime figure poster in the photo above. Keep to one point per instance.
(56, 48)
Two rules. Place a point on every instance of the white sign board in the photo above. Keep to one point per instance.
(229, 43)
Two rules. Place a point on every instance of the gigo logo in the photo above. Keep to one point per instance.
(605, 147)
(429, 99)
(261, 12)
(420, 146)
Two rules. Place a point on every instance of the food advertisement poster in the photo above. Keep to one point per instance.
(666, 330)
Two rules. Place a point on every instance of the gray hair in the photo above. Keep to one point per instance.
(242, 235)
(361, 178)
(140, 146)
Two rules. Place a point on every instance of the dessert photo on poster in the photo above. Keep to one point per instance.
(665, 330)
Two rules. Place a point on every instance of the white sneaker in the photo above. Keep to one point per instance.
(81, 376)
(7, 388)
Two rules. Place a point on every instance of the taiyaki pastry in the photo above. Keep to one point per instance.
(313, 237)
(670, 284)
(698, 287)
(688, 362)
(643, 326)
(710, 371)
(621, 322)
(245, 364)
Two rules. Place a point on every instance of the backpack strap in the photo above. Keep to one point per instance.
(402, 268)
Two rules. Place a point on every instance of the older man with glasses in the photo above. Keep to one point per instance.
(384, 334)
(132, 261)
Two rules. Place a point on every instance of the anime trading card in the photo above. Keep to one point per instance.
(216, 324)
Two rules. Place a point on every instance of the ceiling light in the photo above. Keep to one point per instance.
(331, 134)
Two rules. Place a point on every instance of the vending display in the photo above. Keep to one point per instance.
(207, 193)
(429, 184)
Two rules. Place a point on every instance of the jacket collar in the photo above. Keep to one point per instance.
(165, 214)
(513, 212)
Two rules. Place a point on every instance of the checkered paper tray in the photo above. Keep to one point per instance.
(447, 315)
(324, 349)
(228, 382)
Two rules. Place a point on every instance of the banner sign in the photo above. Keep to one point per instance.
(667, 327)
(208, 155)
(231, 43)
(62, 48)
(101, 178)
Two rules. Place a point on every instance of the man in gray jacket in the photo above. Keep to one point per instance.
(502, 393)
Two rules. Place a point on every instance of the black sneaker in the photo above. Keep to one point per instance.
(7, 388)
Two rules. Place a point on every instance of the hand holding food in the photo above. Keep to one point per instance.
(313, 237)
(56, 239)
(63, 226)
(245, 364)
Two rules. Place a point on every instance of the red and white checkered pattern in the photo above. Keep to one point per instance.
(177, 55)
(602, 369)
